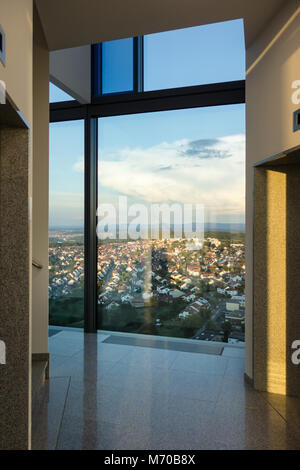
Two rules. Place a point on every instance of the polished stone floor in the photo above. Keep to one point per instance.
(109, 396)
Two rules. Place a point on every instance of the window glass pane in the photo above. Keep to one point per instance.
(194, 56)
(56, 94)
(151, 278)
(117, 66)
(66, 222)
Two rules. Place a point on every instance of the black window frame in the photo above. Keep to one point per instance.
(117, 104)
(97, 70)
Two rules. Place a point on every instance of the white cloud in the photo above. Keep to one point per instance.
(209, 172)
(79, 165)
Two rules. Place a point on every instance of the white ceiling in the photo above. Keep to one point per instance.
(70, 23)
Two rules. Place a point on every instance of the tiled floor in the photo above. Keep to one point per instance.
(107, 396)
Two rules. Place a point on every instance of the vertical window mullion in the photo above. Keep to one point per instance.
(138, 64)
(100, 70)
(90, 224)
(96, 70)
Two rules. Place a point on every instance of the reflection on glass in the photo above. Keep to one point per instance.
(66, 233)
(194, 56)
(152, 278)
(117, 66)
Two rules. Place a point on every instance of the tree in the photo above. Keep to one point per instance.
(226, 326)
(211, 325)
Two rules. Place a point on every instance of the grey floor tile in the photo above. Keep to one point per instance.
(126, 397)
(171, 414)
(235, 391)
(68, 334)
(136, 376)
(149, 439)
(233, 352)
(56, 361)
(101, 402)
(110, 352)
(202, 363)
(150, 357)
(65, 346)
(46, 421)
(92, 362)
(80, 369)
(81, 433)
(287, 407)
(68, 343)
(237, 427)
(235, 367)
(102, 337)
(190, 385)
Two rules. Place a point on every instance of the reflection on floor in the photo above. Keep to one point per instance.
(112, 396)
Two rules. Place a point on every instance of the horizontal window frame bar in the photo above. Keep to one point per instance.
(216, 94)
(67, 111)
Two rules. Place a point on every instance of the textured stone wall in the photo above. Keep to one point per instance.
(276, 303)
(14, 288)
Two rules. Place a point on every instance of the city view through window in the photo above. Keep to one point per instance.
(158, 284)
(66, 219)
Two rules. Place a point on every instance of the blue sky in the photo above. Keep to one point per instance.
(195, 56)
(139, 142)
(56, 94)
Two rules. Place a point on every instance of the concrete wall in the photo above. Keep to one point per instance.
(16, 20)
(276, 267)
(269, 306)
(17, 23)
(273, 63)
(26, 75)
(40, 185)
(15, 263)
(70, 69)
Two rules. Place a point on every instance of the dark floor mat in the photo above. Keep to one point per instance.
(192, 347)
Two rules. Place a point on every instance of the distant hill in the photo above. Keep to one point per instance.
(224, 227)
(209, 227)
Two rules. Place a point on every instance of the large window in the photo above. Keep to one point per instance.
(199, 55)
(194, 56)
(151, 280)
(165, 253)
(66, 224)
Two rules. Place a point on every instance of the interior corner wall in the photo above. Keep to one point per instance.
(276, 283)
(70, 69)
(40, 188)
(270, 280)
(273, 64)
(15, 261)
(17, 22)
